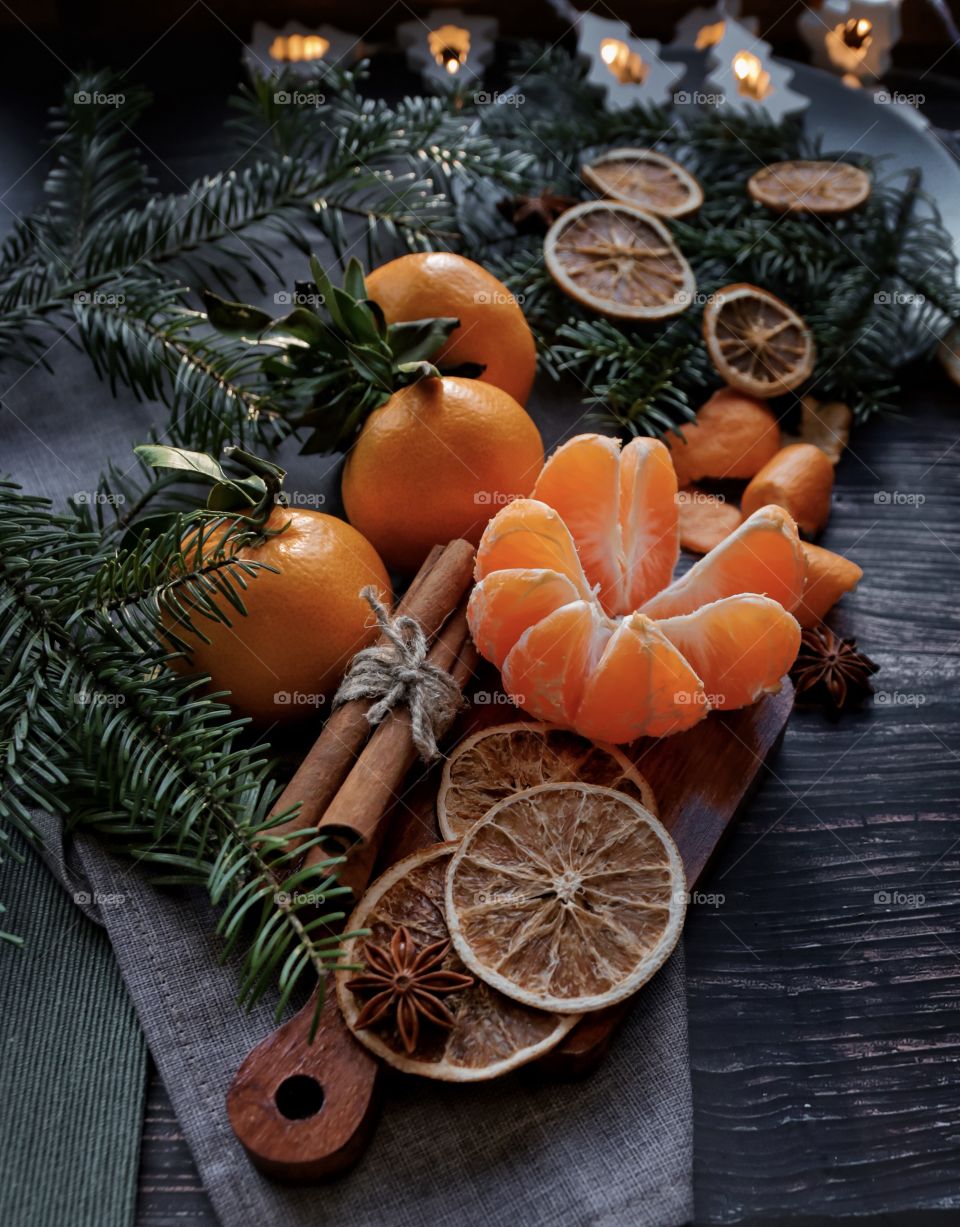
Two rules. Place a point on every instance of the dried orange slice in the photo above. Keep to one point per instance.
(566, 897)
(490, 1033)
(645, 178)
(498, 762)
(619, 261)
(756, 342)
(810, 187)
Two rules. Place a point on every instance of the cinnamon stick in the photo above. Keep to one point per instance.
(376, 778)
(433, 594)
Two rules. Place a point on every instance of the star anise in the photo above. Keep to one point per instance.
(409, 983)
(830, 670)
(534, 214)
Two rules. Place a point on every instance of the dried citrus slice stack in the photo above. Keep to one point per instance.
(498, 762)
(480, 1033)
(647, 179)
(566, 897)
(756, 342)
(810, 187)
(619, 261)
(572, 584)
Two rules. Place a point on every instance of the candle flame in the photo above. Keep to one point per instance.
(709, 36)
(753, 80)
(857, 33)
(449, 46)
(299, 47)
(624, 64)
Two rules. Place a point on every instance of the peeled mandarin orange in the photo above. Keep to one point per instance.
(552, 606)
(712, 638)
(626, 534)
(705, 520)
(800, 479)
(763, 555)
(829, 576)
(322, 564)
(434, 462)
(493, 331)
(734, 436)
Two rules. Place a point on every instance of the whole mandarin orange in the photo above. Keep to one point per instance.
(435, 462)
(493, 331)
(303, 623)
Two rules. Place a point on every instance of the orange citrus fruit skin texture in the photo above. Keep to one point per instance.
(733, 437)
(799, 478)
(493, 330)
(303, 623)
(574, 604)
(434, 463)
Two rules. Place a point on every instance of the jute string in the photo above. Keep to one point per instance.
(397, 673)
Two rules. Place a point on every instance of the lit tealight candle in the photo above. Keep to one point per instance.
(856, 33)
(709, 36)
(298, 48)
(450, 47)
(626, 65)
(753, 80)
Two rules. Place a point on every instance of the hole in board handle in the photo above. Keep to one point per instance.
(299, 1097)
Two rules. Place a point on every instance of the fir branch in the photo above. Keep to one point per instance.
(94, 722)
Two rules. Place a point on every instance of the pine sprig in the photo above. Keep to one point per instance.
(96, 727)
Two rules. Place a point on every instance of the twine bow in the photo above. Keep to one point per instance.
(398, 673)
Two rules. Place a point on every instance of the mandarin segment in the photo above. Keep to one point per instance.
(641, 687)
(829, 576)
(506, 603)
(741, 646)
(764, 555)
(566, 897)
(497, 762)
(620, 509)
(529, 534)
(547, 668)
(491, 1033)
(799, 479)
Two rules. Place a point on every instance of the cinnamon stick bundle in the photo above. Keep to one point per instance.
(433, 595)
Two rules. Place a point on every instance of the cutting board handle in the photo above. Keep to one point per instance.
(305, 1111)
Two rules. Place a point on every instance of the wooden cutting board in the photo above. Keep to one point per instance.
(305, 1112)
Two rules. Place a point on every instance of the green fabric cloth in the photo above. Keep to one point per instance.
(72, 1064)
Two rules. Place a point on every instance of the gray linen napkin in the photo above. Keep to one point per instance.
(613, 1150)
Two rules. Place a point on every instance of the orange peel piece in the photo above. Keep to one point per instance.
(705, 520)
(799, 479)
(829, 576)
(734, 436)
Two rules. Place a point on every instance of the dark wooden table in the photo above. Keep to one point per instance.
(824, 978)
